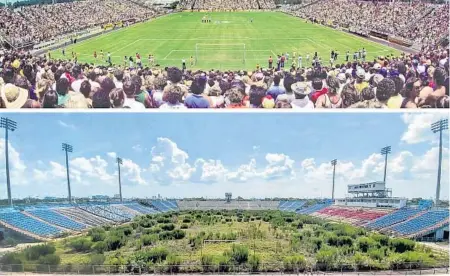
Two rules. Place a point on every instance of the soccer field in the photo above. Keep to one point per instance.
(230, 41)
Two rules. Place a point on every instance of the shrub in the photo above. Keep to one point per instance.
(114, 242)
(326, 257)
(37, 251)
(179, 234)
(401, 245)
(163, 220)
(97, 259)
(224, 263)
(126, 230)
(81, 244)
(174, 263)
(365, 243)
(187, 220)
(168, 227)
(166, 235)
(157, 254)
(345, 241)
(100, 247)
(239, 253)
(184, 226)
(381, 239)
(97, 234)
(294, 263)
(11, 258)
(50, 259)
(149, 239)
(207, 263)
(254, 262)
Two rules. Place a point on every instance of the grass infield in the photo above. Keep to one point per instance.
(220, 44)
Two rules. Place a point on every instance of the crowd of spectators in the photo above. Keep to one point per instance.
(38, 23)
(212, 5)
(418, 22)
(407, 81)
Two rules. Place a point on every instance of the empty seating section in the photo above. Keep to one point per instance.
(314, 208)
(57, 219)
(224, 205)
(115, 209)
(354, 215)
(398, 216)
(29, 224)
(291, 205)
(141, 208)
(422, 222)
(83, 216)
(164, 205)
(102, 212)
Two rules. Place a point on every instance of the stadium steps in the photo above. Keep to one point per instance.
(23, 232)
(43, 221)
(79, 215)
(92, 209)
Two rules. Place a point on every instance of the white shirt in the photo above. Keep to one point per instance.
(77, 84)
(133, 104)
(305, 103)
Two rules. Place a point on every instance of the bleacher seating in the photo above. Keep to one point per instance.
(29, 224)
(353, 215)
(421, 222)
(101, 211)
(291, 205)
(80, 215)
(55, 218)
(165, 205)
(314, 208)
(398, 216)
(141, 208)
(224, 205)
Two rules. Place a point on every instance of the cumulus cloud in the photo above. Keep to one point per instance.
(419, 127)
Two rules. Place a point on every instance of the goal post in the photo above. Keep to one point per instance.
(235, 52)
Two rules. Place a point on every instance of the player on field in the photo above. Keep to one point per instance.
(102, 56)
(95, 56)
(270, 62)
(191, 60)
(299, 61)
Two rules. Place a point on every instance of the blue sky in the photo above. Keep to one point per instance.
(207, 154)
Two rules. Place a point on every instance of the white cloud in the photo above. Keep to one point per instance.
(419, 127)
(244, 173)
(279, 166)
(93, 167)
(132, 172)
(66, 125)
(138, 148)
(209, 171)
(112, 155)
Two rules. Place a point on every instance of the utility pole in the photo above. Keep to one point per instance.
(68, 148)
(11, 125)
(439, 126)
(385, 151)
(333, 162)
(119, 162)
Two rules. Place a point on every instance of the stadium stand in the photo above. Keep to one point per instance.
(55, 218)
(224, 205)
(315, 207)
(141, 208)
(164, 205)
(419, 224)
(395, 217)
(104, 212)
(291, 206)
(82, 216)
(353, 215)
(27, 225)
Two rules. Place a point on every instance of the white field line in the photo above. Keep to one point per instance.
(168, 54)
(128, 45)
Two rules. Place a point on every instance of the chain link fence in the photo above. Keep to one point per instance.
(264, 268)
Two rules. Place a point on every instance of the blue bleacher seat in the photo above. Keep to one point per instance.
(57, 219)
(27, 223)
(422, 222)
(393, 218)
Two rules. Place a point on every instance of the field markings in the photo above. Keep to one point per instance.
(128, 45)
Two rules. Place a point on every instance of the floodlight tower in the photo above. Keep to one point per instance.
(385, 151)
(439, 126)
(333, 163)
(11, 125)
(119, 162)
(68, 148)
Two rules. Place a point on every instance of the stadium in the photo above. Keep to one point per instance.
(325, 45)
(368, 228)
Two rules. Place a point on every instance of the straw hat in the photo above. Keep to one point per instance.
(14, 97)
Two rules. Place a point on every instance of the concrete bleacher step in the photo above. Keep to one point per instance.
(129, 210)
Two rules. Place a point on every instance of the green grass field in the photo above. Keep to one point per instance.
(221, 45)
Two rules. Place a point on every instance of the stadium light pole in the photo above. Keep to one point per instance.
(333, 163)
(8, 125)
(68, 148)
(385, 151)
(119, 162)
(439, 126)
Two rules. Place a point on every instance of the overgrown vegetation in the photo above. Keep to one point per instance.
(228, 241)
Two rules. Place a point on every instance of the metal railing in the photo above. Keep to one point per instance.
(264, 268)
